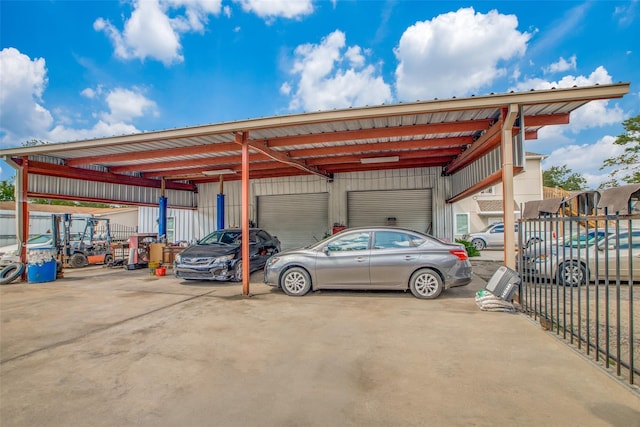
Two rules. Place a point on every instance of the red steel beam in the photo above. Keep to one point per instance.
(547, 119)
(178, 164)
(154, 154)
(284, 158)
(488, 141)
(492, 179)
(48, 169)
(375, 166)
(390, 132)
(325, 161)
(445, 146)
(423, 144)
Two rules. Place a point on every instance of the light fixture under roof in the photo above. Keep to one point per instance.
(218, 172)
(390, 159)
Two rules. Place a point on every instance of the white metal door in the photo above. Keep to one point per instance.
(403, 208)
(296, 219)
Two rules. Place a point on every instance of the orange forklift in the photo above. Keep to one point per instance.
(92, 246)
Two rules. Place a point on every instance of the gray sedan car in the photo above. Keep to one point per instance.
(372, 258)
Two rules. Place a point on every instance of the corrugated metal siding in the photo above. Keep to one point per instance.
(184, 222)
(485, 166)
(76, 188)
(296, 219)
(476, 172)
(399, 179)
(408, 208)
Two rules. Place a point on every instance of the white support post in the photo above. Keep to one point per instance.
(510, 116)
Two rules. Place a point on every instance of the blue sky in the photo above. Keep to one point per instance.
(73, 70)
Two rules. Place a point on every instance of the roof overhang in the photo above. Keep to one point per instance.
(449, 134)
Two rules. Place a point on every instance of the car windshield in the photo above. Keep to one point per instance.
(488, 227)
(42, 238)
(223, 237)
(588, 239)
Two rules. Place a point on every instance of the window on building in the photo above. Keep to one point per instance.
(462, 223)
(171, 229)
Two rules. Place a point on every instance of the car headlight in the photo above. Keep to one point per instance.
(272, 261)
(224, 258)
(178, 258)
(542, 257)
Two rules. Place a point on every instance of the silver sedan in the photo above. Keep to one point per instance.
(372, 258)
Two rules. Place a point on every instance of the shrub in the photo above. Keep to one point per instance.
(471, 250)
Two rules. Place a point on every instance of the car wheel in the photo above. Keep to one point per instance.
(426, 284)
(78, 260)
(295, 282)
(108, 259)
(479, 244)
(572, 273)
(237, 272)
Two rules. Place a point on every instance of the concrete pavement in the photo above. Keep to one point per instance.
(115, 347)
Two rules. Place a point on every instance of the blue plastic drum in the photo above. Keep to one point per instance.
(42, 265)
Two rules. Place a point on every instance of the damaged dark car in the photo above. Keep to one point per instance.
(218, 256)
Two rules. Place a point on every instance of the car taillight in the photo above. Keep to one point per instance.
(460, 253)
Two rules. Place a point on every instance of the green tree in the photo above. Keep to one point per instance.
(563, 177)
(627, 163)
(7, 190)
(70, 203)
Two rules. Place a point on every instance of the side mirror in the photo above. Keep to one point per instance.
(326, 250)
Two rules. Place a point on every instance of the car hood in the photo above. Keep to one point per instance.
(202, 251)
(297, 251)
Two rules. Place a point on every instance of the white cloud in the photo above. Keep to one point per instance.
(126, 105)
(355, 57)
(456, 53)
(586, 159)
(151, 33)
(88, 93)
(626, 13)
(272, 9)
(285, 89)
(22, 115)
(100, 129)
(562, 65)
(329, 76)
(196, 13)
(595, 113)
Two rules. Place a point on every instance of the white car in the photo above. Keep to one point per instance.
(612, 258)
(493, 237)
(11, 253)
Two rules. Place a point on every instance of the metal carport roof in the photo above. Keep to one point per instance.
(449, 133)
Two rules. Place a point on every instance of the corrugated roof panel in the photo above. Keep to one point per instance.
(167, 146)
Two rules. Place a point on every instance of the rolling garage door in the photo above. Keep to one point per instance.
(297, 219)
(403, 208)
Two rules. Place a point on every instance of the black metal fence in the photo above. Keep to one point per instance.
(121, 233)
(579, 266)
